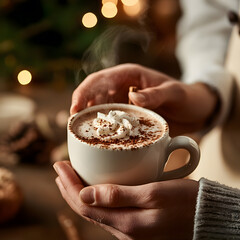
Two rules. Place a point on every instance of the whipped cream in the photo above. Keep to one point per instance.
(115, 125)
(117, 129)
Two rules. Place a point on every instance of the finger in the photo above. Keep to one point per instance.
(90, 103)
(152, 195)
(97, 216)
(121, 223)
(68, 162)
(65, 195)
(112, 196)
(105, 81)
(125, 222)
(65, 162)
(69, 179)
(96, 84)
(79, 100)
(113, 231)
(149, 98)
(100, 99)
(108, 220)
(86, 91)
(77, 207)
(66, 173)
(153, 97)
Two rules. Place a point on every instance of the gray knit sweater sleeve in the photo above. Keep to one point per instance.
(217, 212)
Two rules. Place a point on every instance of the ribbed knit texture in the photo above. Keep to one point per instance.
(217, 212)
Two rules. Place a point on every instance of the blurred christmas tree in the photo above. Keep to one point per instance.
(45, 37)
(48, 38)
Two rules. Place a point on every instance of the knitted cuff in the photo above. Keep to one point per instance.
(217, 212)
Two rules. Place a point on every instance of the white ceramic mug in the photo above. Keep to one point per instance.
(146, 164)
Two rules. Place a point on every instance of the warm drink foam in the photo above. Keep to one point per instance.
(117, 129)
(115, 125)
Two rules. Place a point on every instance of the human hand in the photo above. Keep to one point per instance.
(160, 210)
(186, 108)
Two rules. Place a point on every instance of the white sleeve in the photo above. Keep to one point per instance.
(203, 35)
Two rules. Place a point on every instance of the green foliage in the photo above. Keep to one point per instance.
(44, 36)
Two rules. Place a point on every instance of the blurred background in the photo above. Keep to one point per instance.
(46, 49)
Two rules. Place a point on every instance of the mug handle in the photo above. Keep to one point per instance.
(191, 146)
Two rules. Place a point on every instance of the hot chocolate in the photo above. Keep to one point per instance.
(118, 128)
(124, 144)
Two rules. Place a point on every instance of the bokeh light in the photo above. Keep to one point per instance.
(109, 10)
(24, 77)
(89, 20)
(134, 10)
(113, 1)
(130, 2)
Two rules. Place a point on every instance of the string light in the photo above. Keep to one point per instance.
(24, 77)
(113, 1)
(134, 10)
(130, 2)
(89, 20)
(109, 10)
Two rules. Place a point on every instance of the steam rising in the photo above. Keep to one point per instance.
(119, 44)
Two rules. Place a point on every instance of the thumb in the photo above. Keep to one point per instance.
(79, 102)
(149, 98)
(110, 195)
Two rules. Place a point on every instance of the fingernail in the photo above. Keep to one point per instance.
(55, 167)
(88, 195)
(72, 109)
(138, 97)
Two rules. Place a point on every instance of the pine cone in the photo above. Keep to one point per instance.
(27, 142)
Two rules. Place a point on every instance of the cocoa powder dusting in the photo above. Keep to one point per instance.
(132, 141)
(146, 122)
(146, 136)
